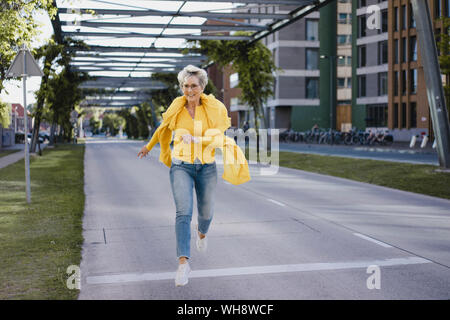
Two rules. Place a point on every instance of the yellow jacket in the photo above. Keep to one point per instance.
(235, 165)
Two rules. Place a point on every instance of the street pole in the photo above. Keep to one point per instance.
(433, 80)
(331, 91)
(25, 116)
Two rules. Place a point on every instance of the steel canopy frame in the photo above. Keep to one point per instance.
(110, 24)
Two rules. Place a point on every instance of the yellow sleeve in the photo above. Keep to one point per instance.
(154, 140)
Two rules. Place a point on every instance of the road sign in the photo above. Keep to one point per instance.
(24, 65)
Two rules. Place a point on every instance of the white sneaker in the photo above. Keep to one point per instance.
(202, 244)
(181, 277)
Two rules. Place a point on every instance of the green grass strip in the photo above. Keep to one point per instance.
(40, 240)
(416, 178)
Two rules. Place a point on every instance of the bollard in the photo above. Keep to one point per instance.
(413, 141)
(424, 141)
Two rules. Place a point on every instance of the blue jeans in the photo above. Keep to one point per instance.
(184, 177)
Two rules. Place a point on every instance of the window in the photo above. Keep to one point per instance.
(384, 21)
(404, 17)
(396, 19)
(376, 115)
(312, 88)
(413, 80)
(413, 115)
(382, 52)
(395, 83)
(404, 56)
(362, 86)
(412, 21)
(361, 3)
(437, 8)
(362, 27)
(403, 82)
(403, 115)
(413, 48)
(395, 124)
(362, 56)
(312, 59)
(396, 49)
(234, 80)
(341, 82)
(382, 84)
(312, 30)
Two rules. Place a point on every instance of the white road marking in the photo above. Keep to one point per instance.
(276, 202)
(209, 273)
(373, 240)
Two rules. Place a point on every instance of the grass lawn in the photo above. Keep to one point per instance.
(40, 240)
(403, 176)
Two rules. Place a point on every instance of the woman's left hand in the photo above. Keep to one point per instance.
(187, 138)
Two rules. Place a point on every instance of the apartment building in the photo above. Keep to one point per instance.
(389, 89)
(295, 50)
(370, 68)
(408, 102)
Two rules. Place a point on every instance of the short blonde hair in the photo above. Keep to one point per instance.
(191, 70)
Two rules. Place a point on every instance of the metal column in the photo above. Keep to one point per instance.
(435, 92)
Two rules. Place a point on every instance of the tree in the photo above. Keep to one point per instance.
(112, 122)
(63, 95)
(18, 27)
(4, 114)
(55, 55)
(162, 98)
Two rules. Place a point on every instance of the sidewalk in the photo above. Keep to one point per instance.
(16, 156)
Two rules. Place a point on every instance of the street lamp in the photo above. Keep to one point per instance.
(332, 59)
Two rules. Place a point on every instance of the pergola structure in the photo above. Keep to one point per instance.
(128, 41)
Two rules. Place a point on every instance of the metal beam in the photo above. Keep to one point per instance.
(433, 80)
(120, 55)
(308, 7)
(273, 2)
(161, 13)
(112, 101)
(126, 64)
(154, 35)
(192, 61)
(95, 24)
(126, 69)
(128, 49)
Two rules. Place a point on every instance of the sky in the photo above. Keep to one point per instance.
(13, 92)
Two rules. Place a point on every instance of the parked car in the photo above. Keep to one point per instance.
(44, 135)
(40, 139)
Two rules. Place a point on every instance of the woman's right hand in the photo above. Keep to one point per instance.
(144, 151)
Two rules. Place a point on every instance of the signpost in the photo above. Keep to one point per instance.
(24, 65)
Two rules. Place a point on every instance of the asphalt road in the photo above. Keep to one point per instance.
(291, 235)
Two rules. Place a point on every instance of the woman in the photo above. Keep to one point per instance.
(199, 122)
